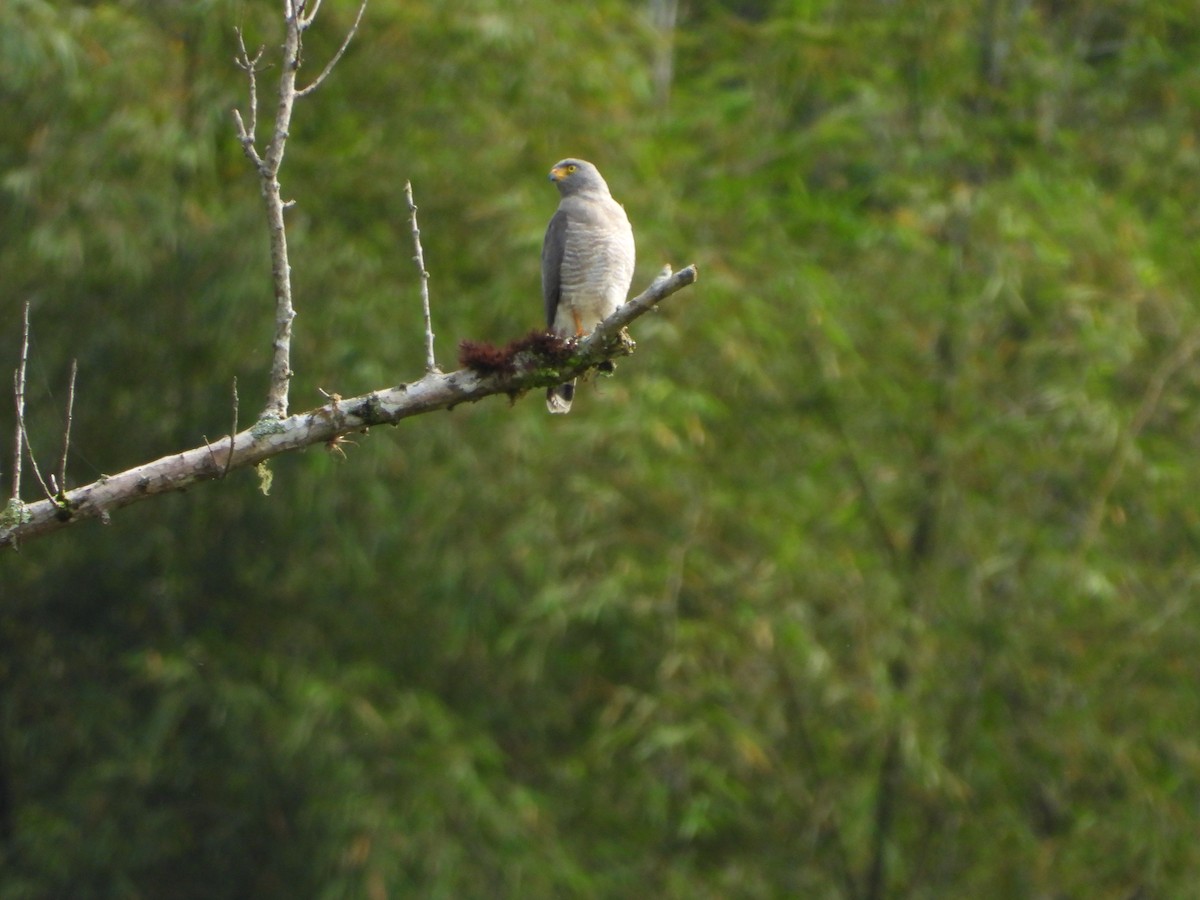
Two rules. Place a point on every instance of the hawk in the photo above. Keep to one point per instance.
(587, 260)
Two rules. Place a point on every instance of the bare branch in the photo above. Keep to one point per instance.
(267, 166)
(297, 19)
(246, 134)
(19, 396)
(232, 430)
(306, 21)
(212, 453)
(663, 286)
(37, 472)
(304, 92)
(327, 423)
(22, 438)
(62, 463)
(419, 259)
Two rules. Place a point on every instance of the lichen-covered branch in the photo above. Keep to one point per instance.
(272, 437)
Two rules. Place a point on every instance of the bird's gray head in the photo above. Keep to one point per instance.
(573, 176)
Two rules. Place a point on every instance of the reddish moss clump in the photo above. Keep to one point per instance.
(488, 359)
(484, 358)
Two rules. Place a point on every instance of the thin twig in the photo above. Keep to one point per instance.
(22, 433)
(419, 259)
(19, 396)
(62, 463)
(233, 430)
(305, 22)
(37, 472)
(212, 454)
(246, 135)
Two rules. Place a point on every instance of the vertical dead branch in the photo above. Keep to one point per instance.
(22, 436)
(281, 272)
(419, 258)
(232, 430)
(61, 485)
(19, 397)
(267, 165)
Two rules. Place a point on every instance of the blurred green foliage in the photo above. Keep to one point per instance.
(873, 574)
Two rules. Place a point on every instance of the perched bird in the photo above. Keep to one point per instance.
(587, 260)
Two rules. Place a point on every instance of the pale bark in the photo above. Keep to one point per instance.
(270, 437)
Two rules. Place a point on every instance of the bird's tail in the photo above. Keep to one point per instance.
(558, 399)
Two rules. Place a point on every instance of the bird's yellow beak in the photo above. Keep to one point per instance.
(558, 173)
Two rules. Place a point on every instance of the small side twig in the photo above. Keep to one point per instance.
(305, 22)
(19, 396)
(37, 472)
(61, 486)
(419, 259)
(212, 453)
(249, 65)
(232, 430)
(22, 437)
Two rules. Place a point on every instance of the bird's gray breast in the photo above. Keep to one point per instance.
(598, 254)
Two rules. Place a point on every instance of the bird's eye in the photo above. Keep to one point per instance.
(572, 168)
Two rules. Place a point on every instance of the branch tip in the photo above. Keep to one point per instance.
(61, 487)
(423, 274)
(306, 22)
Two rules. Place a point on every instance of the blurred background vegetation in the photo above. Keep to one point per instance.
(873, 574)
